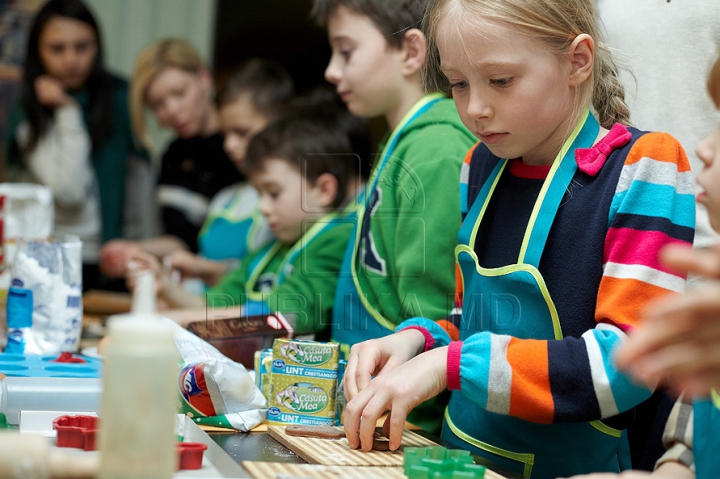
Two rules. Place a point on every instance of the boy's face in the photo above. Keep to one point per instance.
(286, 199)
(709, 178)
(240, 122)
(365, 69)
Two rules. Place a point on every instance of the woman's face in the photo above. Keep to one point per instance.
(67, 49)
(180, 100)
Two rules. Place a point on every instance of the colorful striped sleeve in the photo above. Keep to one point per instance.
(575, 379)
(464, 180)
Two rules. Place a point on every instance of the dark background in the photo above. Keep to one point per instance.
(277, 29)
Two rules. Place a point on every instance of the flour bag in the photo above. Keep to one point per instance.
(44, 304)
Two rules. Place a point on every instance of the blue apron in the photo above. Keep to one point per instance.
(354, 318)
(225, 237)
(706, 436)
(533, 450)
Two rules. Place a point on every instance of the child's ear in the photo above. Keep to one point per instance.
(414, 51)
(581, 55)
(326, 189)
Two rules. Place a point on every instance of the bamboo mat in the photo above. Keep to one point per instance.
(279, 470)
(275, 470)
(336, 452)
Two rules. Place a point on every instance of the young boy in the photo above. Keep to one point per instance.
(398, 265)
(302, 170)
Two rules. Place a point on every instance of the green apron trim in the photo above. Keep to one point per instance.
(604, 428)
(715, 398)
(557, 329)
(528, 459)
(418, 108)
(315, 230)
(546, 185)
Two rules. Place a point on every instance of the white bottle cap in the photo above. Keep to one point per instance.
(143, 300)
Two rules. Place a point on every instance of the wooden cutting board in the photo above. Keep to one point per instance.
(336, 452)
(275, 470)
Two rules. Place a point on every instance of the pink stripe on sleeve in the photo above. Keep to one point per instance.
(630, 246)
(453, 365)
(429, 340)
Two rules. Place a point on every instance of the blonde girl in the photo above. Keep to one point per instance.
(171, 81)
(565, 208)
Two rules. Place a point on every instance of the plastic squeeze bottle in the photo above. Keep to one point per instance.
(137, 412)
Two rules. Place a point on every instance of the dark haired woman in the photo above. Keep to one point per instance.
(71, 130)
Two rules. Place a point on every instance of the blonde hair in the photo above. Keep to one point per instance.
(713, 83)
(556, 23)
(154, 59)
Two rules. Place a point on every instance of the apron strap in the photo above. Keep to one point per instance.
(553, 191)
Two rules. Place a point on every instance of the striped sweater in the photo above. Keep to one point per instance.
(632, 194)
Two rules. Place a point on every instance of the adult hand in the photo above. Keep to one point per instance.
(678, 343)
(700, 262)
(678, 339)
(50, 92)
(377, 356)
(398, 390)
(139, 260)
(189, 265)
(114, 257)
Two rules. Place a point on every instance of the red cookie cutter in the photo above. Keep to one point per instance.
(76, 431)
(190, 455)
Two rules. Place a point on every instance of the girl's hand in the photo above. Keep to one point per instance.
(50, 92)
(398, 390)
(378, 356)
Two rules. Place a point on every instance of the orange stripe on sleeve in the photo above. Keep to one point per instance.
(659, 147)
(530, 395)
(620, 300)
(449, 328)
(469, 154)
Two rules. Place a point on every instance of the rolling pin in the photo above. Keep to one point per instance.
(30, 456)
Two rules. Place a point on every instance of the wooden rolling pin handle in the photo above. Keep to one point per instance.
(64, 466)
(26, 455)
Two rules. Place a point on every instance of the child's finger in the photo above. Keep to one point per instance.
(353, 410)
(396, 420)
(368, 364)
(374, 407)
(670, 321)
(701, 262)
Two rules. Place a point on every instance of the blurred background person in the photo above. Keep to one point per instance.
(259, 92)
(172, 82)
(71, 129)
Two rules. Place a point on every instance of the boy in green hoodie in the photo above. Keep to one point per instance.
(304, 171)
(398, 264)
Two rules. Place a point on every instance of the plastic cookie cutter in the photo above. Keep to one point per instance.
(190, 455)
(440, 463)
(76, 431)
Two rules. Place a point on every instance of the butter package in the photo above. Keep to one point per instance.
(340, 394)
(263, 366)
(303, 382)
